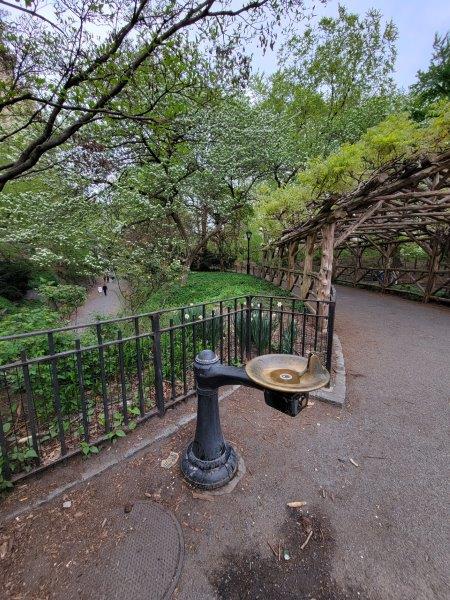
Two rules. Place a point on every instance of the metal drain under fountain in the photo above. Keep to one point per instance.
(209, 461)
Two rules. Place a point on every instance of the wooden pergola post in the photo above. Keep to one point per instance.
(387, 264)
(434, 261)
(326, 263)
(308, 264)
(293, 248)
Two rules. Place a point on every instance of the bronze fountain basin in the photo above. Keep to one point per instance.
(288, 373)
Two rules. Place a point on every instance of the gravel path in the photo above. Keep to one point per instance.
(99, 304)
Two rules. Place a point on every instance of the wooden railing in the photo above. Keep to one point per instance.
(411, 282)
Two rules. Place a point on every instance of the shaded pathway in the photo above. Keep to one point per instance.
(99, 304)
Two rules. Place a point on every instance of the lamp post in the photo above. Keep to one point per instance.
(248, 233)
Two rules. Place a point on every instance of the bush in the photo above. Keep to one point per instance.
(213, 261)
(14, 279)
(65, 298)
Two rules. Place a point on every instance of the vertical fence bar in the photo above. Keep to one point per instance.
(204, 326)
(139, 367)
(6, 470)
(101, 360)
(221, 330)
(291, 345)
(235, 329)
(213, 332)
(157, 364)
(183, 349)
(260, 328)
(317, 325)
(228, 336)
(31, 412)
(270, 324)
(330, 330)
(84, 409)
(304, 331)
(123, 384)
(172, 359)
(56, 395)
(194, 338)
(248, 332)
(280, 341)
(241, 331)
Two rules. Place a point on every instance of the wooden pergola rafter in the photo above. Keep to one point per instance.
(405, 201)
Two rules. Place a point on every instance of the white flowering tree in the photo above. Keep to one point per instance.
(67, 71)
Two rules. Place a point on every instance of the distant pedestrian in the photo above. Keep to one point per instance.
(99, 289)
(105, 288)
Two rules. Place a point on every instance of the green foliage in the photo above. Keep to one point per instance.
(56, 230)
(5, 305)
(66, 298)
(434, 83)
(211, 260)
(348, 56)
(210, 287)
(24, 321)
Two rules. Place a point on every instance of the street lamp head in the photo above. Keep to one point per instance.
(248, 233)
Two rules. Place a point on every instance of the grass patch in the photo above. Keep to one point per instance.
(210, 287)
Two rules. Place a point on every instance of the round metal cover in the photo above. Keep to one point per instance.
(146, 562)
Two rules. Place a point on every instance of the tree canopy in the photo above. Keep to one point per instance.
(136, 136)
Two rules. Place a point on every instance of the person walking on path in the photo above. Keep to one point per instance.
(105, 288)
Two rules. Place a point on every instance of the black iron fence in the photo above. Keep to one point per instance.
(65, 390)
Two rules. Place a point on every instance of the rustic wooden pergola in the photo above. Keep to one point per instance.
(404, 202)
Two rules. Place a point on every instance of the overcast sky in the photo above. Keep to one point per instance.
(417, 22)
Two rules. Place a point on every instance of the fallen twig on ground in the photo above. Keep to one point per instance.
(305, 543)
(273, 549)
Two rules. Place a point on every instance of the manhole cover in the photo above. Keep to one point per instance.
(146, 562)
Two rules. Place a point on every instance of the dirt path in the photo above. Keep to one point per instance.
(99, 304)
(378, 524)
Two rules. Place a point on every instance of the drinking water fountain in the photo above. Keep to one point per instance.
(286, 380)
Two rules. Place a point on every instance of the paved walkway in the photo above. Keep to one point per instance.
(99, 304)
(378, 524)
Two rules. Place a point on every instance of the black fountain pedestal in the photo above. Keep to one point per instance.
(209, 461)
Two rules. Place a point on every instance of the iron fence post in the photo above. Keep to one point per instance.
(5, 468)
(248, 311)
(157, 364)
(80, 377)
(139, 367)
(31, 412)
(123, 385)
(330, 330)
(56, 394)
(101, 360)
